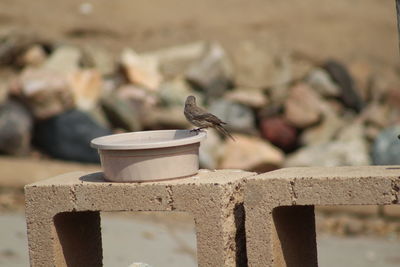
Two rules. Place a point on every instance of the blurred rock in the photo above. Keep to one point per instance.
(65, 59)
(350, 149)
(13, 43)
(175, 60)
(4, 89)
(121, 113)
(138, 96)
(239, 118)
(99, 116)
(251, 153)
(212, 72)
(376, 114)
(303, 106)
(279, 89)
(67, 136)
(362, 74)
(174, 92)
(372, 132)
(323, 132)
(386, 147)
(341, 76)
(250, 97)
(34, 56)
(300, 65)
(321, 82)
(210, 150)
(255, 64)
(141, 70)
(86, 88)
(46, 93)
(165, 118)
(95, 57)
(279, 132)
(15, 128)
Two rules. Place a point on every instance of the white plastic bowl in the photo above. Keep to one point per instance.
(149, 155)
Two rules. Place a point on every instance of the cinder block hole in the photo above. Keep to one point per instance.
(362, 235)
(165, 239)
(295, 230)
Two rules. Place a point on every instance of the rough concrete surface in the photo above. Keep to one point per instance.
(273, 239)
(63, 214)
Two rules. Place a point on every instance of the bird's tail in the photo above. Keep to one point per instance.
(222, 130)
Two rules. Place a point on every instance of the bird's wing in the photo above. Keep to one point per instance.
(210, 118)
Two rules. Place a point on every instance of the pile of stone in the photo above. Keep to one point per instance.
(284, 109)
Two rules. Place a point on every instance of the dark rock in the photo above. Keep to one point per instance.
(386, 147)
(343, 79)
(279, 132)
(67, 136)
(15, 128)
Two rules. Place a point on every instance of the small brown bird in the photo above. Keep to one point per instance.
(202, 119)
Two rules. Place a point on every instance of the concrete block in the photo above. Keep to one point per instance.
(279, 207)
(64, 224)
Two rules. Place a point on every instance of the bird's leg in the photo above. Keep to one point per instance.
(196, 130)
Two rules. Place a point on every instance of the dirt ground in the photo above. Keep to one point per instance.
(362, 30)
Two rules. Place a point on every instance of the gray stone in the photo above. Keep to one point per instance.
(175, 60)
(165, 118)
(121, 113)
(65, 59)
(174, 92)
(350, 149)
(212, 72)
(323, 132)
(386, 147)
(98, 58)
(320, 80)
(251, 97)
(239, 118)
(15, 128)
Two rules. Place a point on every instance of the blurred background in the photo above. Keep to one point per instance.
(300, 83)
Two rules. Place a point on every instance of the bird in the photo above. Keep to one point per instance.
(203, 119)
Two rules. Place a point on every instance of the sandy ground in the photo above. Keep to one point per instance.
(345, 29)
(162, 243)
